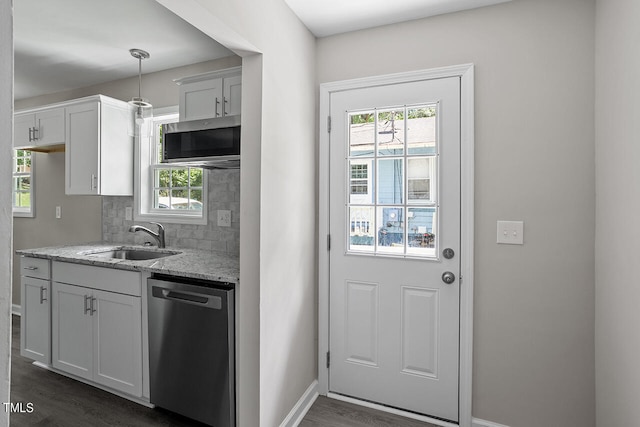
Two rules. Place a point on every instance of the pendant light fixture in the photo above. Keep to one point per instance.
(143, 109)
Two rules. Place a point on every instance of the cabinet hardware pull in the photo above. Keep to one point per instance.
(30, 134)
(36, 131)
(93, 308)
(94, 180)
(43, 298)
(217, 103)
(224, 107)
(31, 268)
(87, 304)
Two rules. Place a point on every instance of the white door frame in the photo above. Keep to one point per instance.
(466, 74)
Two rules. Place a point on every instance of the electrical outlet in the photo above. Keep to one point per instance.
(128, 213)
(224, 218)
(58, 212)
(510, 232)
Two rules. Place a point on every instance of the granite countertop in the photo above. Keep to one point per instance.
(194, 263)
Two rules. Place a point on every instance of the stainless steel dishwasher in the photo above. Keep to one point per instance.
(191, 348)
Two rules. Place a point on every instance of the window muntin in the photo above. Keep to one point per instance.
(396, 211)
(23, 194)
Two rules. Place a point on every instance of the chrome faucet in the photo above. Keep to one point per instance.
(159, 236)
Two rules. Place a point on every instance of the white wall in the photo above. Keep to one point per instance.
(278, 207)
(534, 97)
(617, 206)
(6, 113)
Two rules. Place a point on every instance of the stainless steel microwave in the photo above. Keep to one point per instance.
(209, 143)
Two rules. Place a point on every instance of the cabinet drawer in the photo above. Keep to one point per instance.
(38, 268)
(106, 279)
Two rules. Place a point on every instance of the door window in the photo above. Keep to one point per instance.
(393, 179)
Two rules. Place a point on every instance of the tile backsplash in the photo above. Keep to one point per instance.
(224, 193)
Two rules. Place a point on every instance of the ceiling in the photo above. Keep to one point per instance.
(67, 44)
(328, 17)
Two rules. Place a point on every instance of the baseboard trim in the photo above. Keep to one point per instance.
(301, 408)
(390, 410)
(476, 422)
(16, 309)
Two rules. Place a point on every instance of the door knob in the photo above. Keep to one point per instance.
(448, 277)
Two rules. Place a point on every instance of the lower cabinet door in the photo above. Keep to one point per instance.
(117, 346)
(35, 339)
(72, 330)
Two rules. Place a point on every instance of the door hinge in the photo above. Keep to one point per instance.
(328, 124)
(328, 359)
(328, 242)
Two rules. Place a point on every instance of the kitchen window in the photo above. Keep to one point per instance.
(23, 189)
(167, 193)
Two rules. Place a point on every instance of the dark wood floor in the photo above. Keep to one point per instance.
(60, 401)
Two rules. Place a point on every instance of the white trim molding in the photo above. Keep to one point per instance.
(466, 74)
(297, 413)
(482, 423)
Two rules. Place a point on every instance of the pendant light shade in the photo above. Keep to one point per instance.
(143, 109)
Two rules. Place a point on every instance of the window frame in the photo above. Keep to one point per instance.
(144, 177)
(21, 212)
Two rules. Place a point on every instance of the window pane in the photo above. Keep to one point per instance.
(362, 233)
(361, 134)
(391, 230)
(162, 178)
(421, 179)
(390, 181)
(196, 176)
(161, 199)
(360, 182)
(390, 132)
(421, 228)
(421, 130)
(196, 200)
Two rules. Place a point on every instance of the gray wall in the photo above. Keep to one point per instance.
(534, 97)
(6, 119)
(617, 206)
(81, 219)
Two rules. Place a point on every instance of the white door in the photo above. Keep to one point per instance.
(35, 320)
(117, 347)
(395, 232)
(72, 335)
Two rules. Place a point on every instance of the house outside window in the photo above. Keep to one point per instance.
(172, 194)
(23, 189)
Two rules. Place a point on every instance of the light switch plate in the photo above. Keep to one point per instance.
(128, 213)
(224, 218)
(510, 232)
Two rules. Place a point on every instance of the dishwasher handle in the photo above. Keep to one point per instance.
(202, 300)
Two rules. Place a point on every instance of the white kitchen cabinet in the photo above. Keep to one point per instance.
(35, 325)
(97, 325)
(39, 128)
(214, 94)
(98, 147)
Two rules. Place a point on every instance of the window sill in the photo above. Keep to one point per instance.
(171, 218)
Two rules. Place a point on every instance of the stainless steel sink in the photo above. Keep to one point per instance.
(133, 254)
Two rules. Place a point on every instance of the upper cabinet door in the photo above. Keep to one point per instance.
(82, 149)
(39, 129)
(50, 127)
(23, 125)
(201, 100)
(232, 93)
